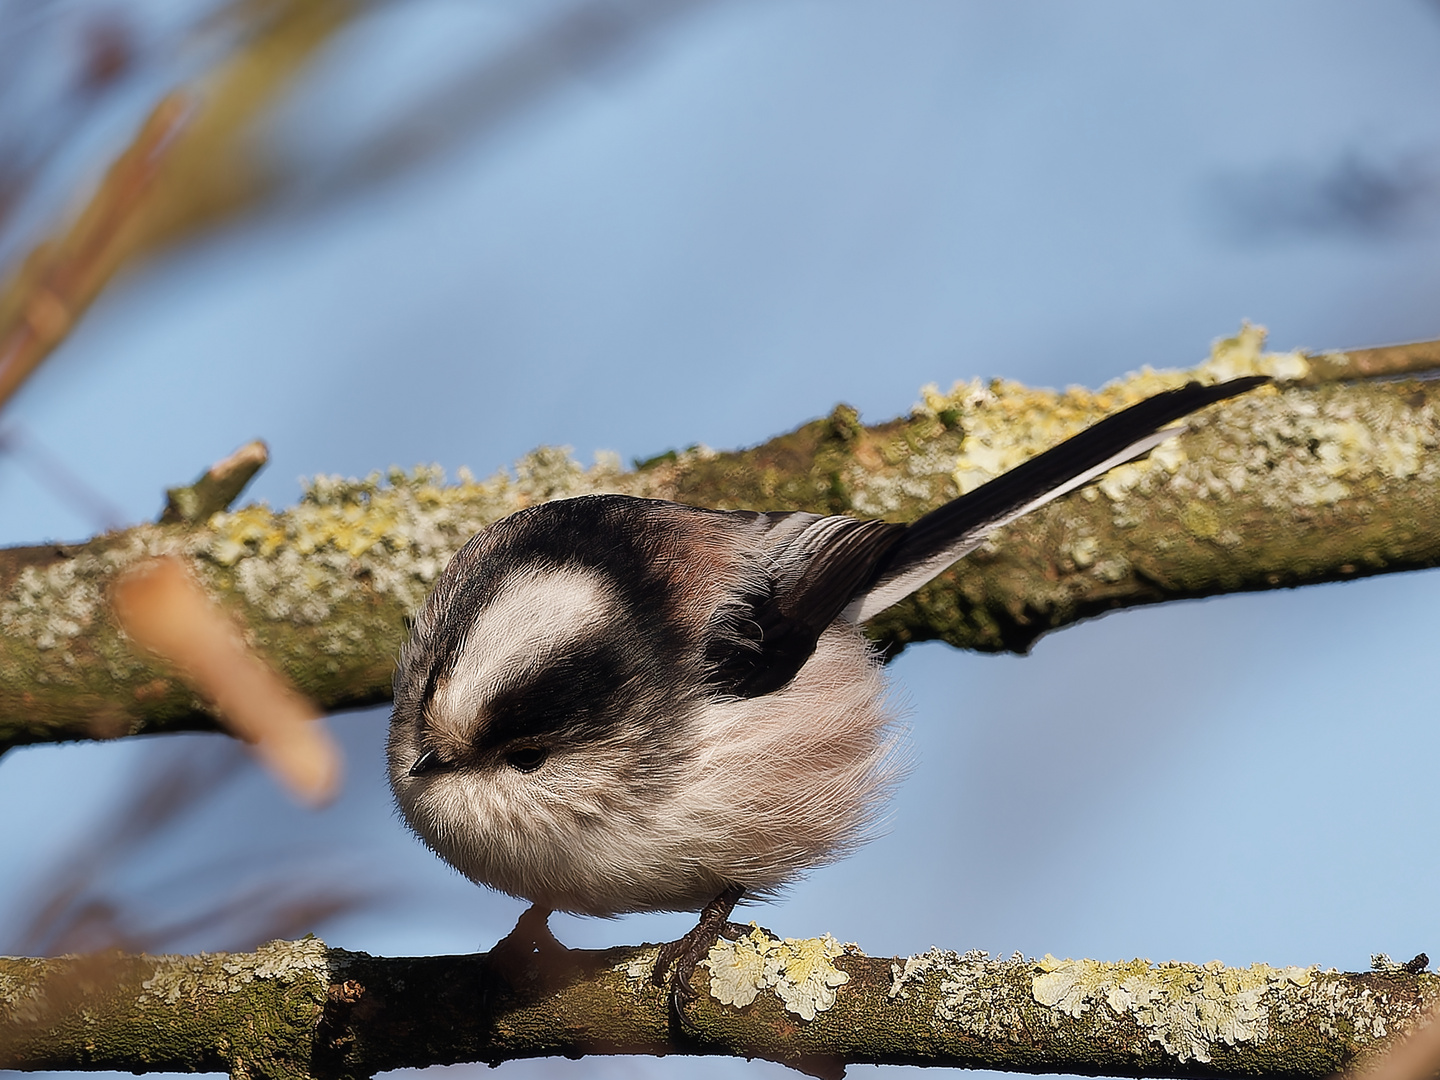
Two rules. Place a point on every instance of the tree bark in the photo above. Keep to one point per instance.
(1309, 481)
(298, 1009)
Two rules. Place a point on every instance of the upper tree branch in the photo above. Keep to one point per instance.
(1285, 486)
(293, 1010)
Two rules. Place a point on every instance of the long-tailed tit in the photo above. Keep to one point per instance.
(611, 704)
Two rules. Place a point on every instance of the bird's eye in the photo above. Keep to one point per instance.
(527, 758)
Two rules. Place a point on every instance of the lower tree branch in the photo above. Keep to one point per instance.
(299, 1009)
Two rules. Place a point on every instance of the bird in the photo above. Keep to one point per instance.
(611, 704)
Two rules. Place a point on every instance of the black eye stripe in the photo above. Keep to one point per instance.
(574, 698)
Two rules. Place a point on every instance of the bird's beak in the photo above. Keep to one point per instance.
(428, 762)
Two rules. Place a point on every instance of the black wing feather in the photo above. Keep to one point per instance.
(815, 574)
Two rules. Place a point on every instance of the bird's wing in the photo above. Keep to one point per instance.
(809, 568)
(936, 541)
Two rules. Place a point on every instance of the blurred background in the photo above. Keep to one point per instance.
(446, 231)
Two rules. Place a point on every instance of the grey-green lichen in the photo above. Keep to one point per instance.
(640, 964)
(1184, 1008)
(973, 992)
(1006, 423)
(1189, 1011)
(48, 606)
(52, 606)
(184, 978)
(22, 997)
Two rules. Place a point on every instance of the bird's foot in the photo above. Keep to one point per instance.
(679, 958)
(530, 951)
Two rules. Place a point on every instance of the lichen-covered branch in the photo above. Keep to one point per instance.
(1288, 485)
(298, 1009)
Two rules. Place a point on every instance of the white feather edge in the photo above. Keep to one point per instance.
(889, 591)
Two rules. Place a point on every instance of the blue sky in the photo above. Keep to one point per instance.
(763, 209)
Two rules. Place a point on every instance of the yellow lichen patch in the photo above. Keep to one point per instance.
(1200, 520)
(798, 970)
(740, 969)
(1084, 550)
(807, 979)
(1116, 484)
(1244, 354)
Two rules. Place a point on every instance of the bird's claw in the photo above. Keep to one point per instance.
(678, 959)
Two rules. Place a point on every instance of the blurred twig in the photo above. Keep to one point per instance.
(65, 912)
(178, 178)
(104, 515)
(190, 164)
(1417, 1058)
(1409, 358)
(163, 608)
(215, 171)
(30, 139)
(61, 277)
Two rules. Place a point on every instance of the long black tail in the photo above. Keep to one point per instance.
(935, 541)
